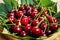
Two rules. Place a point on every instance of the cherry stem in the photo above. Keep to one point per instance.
(39, 23)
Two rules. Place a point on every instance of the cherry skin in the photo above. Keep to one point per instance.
(40, 18)
(48, 32)
(11, 19)
(21, 8)
(18, 22)
(50, 19)
(19, 14)
(54, 26)
(43, 26)
(36, 30)
(42, 33)
(25, 20)
(28, 27)
(23, 33)
(35, 22)
(34, 12)
(16, 29)
(45, 11)
(54, 20)
(10, 14)
(39, 9)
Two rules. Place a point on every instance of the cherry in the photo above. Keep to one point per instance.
(39, 9)
(42, 33)
(11, 14)
(17, 22)
(48, 32)
(11, 19)
(40, 18)
(33, 5)
(54, 26)
(36, 30)
(29, 8)
(29, 13)
(50, 18)
(25, 20)
(21, 8)
(45, 11)
(28, 27)
(23, 33)
(54, 20)
(34, 12)
(35, 22)
(19, 14)
(16, 29)
(43, 26)
(26, 7)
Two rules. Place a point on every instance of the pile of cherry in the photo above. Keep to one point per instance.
(32, 22)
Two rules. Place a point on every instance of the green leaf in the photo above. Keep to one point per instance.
(14, 4)
(23, 2)
(31, 2)
(8, 5)
(57, 15)
(3, 8)
(28, 2)
(46, 3)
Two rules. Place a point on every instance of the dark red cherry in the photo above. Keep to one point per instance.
(18, 22)
(54, 26)
(35, 22)
(50, 19)
(40, 18)
(34, 12)
(39, 9)
(11, 19)
(16, 29)
(21, 8)
(19, 14)
(43, 26)
(42, 33)
(29, 8)
(33, 5)
(25, 20)
(36, 30)
(28, 27)
(48, 32)
(10, 14)
(54, 20)
(45, 11)
(23, 33)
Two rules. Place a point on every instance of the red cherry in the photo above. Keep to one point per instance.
(34, 12)
(54, 20)
(23, 33)
(21, 8)
(29, 8)
(32, 5)
(17, 22)
(28, 28)
(26, 7)
(19, 14)
(17, 29)
(48, 32)
(43, 26)
(50, 18)
(35, 22)
(36, 30)
(54, 26)
(11, 19)
(25, 20)
(39, 9)
(11, 14)
(40, 18)
(42, 33)
(45, 11)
